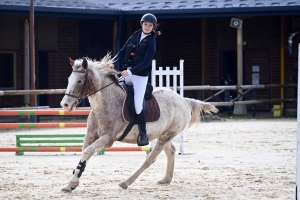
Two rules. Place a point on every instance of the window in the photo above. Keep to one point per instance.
(7, 70)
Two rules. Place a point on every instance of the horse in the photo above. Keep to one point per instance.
(98, 82)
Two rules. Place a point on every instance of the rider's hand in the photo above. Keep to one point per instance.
(124, 73)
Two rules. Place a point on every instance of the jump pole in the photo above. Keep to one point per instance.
(43, 112)
(68, 149)
(298, 132)
(43, 125)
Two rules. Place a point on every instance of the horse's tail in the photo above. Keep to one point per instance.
(198, 108)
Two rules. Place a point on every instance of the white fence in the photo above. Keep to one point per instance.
(168, 73)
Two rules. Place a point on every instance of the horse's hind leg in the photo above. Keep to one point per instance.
(150, 159)
(170, 152)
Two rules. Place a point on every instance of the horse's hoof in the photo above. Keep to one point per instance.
(123, 185)
(71, 186)
(66, 189)
(163, 182)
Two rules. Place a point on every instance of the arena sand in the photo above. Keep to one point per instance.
(232, 159)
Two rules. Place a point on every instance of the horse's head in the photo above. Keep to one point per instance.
(83, 80)
(78, 84)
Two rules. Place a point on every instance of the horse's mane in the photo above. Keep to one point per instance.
(101, 66)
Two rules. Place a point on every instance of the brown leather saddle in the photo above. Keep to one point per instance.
(151, 107)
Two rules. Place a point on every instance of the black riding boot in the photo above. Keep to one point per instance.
(142, 139)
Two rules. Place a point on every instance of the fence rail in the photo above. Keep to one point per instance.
(31, 92)
(201, 87)
(192, 87)
(229, 103)
(235, 87)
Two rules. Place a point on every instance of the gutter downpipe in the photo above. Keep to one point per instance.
(282, 61)
(115, 28)
(32, 56)
(32, 61)
(118, 39)
(203, 49)
(26, 61)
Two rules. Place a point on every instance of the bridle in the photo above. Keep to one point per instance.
(79, 98)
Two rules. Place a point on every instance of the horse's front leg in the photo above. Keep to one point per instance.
(96, 146)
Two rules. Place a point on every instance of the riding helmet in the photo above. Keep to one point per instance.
(149, 18)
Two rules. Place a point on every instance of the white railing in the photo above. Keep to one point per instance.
(168, 73)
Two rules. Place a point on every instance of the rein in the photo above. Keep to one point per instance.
(79, 98)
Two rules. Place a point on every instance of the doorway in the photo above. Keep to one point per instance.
(43, 77)
(228, 66)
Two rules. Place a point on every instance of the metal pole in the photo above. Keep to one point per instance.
(32, 60)
(32, 56)
(115, 29)
(203, 52)
(282, 60)
(298, 132)
(26, 61)
(253, 106)
(240, 59)
(119, 38)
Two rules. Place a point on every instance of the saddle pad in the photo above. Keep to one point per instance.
(153, 111)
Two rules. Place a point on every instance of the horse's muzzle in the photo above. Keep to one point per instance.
(69, 103)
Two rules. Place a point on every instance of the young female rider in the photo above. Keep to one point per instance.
(137, 54)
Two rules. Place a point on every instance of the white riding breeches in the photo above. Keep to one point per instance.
(139, 86)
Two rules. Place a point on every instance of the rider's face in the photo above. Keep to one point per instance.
(147, 27)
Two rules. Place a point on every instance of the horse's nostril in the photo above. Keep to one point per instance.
(66, 105)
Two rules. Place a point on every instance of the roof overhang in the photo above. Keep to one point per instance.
(60, 12)
(217, 12)
(162, 13)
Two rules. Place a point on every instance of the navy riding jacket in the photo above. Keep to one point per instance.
(141, 69)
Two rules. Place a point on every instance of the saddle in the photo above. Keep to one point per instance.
(150, 105)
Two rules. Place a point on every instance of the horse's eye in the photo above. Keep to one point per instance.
(79, 81)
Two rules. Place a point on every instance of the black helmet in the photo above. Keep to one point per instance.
(149, 18)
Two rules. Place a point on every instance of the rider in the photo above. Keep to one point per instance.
(137, 54)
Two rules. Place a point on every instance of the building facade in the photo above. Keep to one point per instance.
(207, 44)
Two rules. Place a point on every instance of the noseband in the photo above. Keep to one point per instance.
(79, 98)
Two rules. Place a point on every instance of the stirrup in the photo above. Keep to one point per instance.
(143, 143)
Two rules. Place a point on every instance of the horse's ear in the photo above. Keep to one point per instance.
(84, 63)
(71, 62)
